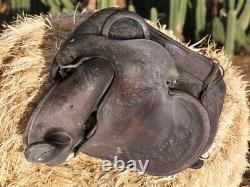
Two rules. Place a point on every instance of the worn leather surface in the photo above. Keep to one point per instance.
(154, 99)
(57, 125)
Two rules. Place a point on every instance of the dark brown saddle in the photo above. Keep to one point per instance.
(149, 98)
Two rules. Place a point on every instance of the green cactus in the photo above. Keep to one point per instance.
(239, 5)
(182, 12)
(59, 5)
(241, 36)
(242, 12)
(177, 17)
(231, 29)
(244, 18)
(68, 4)
(111, 3)
(131, 7)
(200, 17)
(53, 6)
(153, 14)
(173, 14)
(104, 4)
(238, 15)
(231, 4)
(14, 5)
(25, 4)
(20, 5)
(218, 31)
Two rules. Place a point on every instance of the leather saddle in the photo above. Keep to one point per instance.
(125, 89)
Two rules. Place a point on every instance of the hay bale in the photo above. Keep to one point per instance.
(27, 48)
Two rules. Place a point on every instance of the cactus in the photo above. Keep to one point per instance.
(235, 14)
(131, 7)
(242, 12)
(25, 4)
(200, 17)
(153, 14)
(238, 15)
(111, 3)
(68, 4)
(20, 5)
(53, 6)
(104, 4)
(178, 10)
(14, 5)
(218, 31)
(244, 18)
(183, 12)
(173, 14)
(231, 28)
(240, 36)
(59, 5)
(239, 5)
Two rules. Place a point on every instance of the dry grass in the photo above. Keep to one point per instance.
(27, 48)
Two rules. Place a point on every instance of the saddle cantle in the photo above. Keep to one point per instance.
(163, 104)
